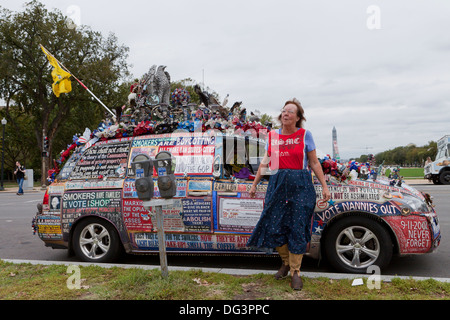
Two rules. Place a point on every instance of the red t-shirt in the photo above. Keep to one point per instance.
(289, 151)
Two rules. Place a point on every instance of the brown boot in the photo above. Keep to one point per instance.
(296, 281)
(283, 251)
(282, 272)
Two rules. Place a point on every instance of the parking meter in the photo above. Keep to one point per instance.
(143, 169)
(166, 179)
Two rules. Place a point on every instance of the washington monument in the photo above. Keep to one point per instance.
(335, 145)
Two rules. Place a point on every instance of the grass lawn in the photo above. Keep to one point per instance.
(58, 282)
(409, 173)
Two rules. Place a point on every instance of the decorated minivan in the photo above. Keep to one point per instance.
(92, 208)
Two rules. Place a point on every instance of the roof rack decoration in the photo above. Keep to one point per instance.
(152, 109)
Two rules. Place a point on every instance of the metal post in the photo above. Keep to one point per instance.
(161, 242)
(157, 204)
(3, 154)
(43, 175)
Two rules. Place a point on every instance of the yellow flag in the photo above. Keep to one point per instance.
(61, 82)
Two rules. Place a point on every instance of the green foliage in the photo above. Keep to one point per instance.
(409, 155)
(26, 82)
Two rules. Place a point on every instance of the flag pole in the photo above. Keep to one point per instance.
(81, 83)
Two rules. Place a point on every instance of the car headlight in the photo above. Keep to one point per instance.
(410, 204)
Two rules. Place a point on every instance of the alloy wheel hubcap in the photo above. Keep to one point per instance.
(357, 247)
(94, 241)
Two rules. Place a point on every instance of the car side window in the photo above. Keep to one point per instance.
(70, 164)
(242, 156)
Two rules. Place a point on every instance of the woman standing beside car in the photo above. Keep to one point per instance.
(285, 223)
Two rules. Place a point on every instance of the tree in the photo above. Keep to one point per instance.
(363, 158)
(408, 155)
(26, 79)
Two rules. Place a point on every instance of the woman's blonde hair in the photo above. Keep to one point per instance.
(300, 112)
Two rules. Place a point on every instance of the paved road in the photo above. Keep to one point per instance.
(18, 242)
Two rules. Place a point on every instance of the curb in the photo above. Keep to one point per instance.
(231, 271)
(14, 190)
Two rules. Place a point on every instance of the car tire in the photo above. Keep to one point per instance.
(436, 179)
(96, 240)
(354, 243)
(444, 177)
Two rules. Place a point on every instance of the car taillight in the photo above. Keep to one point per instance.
(45, 202)
(45, 197)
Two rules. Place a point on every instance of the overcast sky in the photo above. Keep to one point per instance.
(377, 70)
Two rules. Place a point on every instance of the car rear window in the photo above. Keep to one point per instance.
(102, 160)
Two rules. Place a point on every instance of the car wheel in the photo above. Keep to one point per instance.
(95, 240)
(353, 244)
(436, 180)
(444, 177)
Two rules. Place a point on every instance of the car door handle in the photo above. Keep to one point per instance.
(199, 193)
(227, 193)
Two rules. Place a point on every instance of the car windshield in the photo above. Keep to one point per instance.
(443, 152)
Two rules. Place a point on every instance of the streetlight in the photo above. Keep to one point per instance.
(4, 122)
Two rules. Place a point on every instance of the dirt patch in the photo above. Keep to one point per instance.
(252, 291)
(259, 290)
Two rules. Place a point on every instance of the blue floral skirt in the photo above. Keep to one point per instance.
(287, 214)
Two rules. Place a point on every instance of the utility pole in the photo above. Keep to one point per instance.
(44, 156)
(3, 152)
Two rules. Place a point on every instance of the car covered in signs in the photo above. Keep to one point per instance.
(92, 208)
